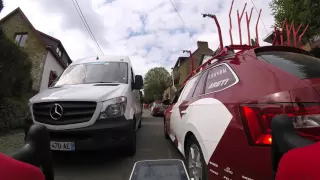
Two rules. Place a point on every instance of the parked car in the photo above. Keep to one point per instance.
(157, 108)
(94, 104)
(221, 120)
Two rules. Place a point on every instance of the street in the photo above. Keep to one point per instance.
(112, 165)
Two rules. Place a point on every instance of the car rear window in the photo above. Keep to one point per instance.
(300, 65)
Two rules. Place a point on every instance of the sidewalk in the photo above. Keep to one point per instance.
(11, 143)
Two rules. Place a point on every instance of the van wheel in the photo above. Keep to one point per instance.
(165, 129)
(132, 144)
(196, 165)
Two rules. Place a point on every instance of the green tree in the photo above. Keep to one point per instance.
(15, 68)
(253, 42)
(15, 78)
(155, 83)
(301, 11)
(1, 5)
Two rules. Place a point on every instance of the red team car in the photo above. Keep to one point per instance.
(157, 108)
(220, 121)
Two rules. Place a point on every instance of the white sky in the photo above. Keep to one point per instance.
(149, 31)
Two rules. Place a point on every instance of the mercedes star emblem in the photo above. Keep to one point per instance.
(56, 111)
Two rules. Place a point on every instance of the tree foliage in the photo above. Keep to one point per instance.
(15, 80)
(301, 11)
(15, 68)
(1, 5)
(155, 83)
(253, 42)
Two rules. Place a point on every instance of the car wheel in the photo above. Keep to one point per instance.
(165, 129)
(139, 126)
(196, 165)
(132, 143)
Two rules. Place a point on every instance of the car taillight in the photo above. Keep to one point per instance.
(257, 118)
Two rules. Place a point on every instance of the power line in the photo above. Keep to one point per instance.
(75, 3)
(184, 24)
(83, 19)
(260, 17)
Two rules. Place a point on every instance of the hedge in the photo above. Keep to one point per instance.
(1, 5)
(15, 68)
(16, 84)
(13, 114)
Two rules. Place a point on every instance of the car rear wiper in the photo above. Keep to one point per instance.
(105, 84)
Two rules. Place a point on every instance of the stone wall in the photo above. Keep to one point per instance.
(33, 46)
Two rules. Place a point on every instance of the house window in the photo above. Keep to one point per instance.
(20, 38)
(52, 77)
(59, 52)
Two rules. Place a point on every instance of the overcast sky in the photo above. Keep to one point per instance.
(149, 31)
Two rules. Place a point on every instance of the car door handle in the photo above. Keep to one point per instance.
(184, 112)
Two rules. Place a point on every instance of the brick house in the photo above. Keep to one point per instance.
(182, 68)
(48, 56)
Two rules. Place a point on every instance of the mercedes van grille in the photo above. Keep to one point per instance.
(64, 112)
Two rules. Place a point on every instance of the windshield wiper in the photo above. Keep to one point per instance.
(101, 82)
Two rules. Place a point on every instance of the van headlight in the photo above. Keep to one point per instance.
(113, 108)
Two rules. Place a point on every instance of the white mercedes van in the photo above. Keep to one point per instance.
(94, 104)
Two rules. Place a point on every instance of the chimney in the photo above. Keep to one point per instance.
(202, 44)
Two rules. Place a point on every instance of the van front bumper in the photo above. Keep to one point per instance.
(102, 134)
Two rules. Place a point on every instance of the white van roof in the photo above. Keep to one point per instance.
(102, 59)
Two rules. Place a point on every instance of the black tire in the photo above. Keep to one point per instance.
(139, 126)
(192, 142)
(132, 144)
(166, 135)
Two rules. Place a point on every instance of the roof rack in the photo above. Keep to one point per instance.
(278, 34)
(223, 51)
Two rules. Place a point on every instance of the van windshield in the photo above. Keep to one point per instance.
(102, 72)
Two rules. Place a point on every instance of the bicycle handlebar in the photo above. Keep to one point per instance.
(36, 150)
(284, 138)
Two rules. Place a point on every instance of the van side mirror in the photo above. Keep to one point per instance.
(138, 82)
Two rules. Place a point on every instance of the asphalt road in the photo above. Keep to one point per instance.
(112, 164)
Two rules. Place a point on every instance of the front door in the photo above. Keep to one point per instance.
(178, 111)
